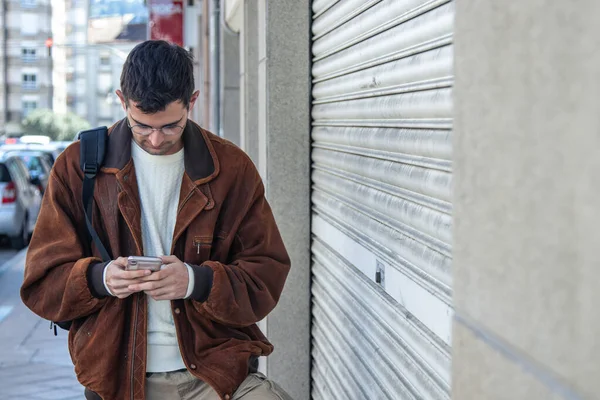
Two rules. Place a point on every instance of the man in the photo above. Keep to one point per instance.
(167, 188)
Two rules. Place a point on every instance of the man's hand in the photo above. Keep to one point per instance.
(118, 280)
(170, 283)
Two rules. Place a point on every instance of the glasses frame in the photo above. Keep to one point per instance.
(132, 127)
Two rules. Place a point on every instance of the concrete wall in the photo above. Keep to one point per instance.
(230, 85)
(527, 184)
(249, 79)
(275, 93)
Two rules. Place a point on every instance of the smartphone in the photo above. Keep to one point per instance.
(135, 262)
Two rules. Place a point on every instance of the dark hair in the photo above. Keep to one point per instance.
(157, 73)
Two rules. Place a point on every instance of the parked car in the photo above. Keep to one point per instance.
(60, 146)
(35, 139)
(11, 138)
(20, 203)
(46, 148)
(39, 165)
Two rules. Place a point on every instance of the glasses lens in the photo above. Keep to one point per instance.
(139, 130)
(171, 130)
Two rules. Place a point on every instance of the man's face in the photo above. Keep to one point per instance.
(173, 118)
(158, 141)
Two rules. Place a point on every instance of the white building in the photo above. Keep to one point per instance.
(89, 56)
(25, 78)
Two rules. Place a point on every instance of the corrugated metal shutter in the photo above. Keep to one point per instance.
(381, 199)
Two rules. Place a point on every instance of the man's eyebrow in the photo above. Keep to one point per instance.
(169, 124)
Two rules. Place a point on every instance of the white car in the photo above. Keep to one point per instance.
(46, 148)
(35, 139)
(20, 201)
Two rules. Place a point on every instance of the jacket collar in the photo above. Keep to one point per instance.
(201, 162)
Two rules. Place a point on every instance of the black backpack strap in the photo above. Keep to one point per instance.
(92, 148)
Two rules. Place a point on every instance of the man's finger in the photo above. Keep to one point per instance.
(121, 283)
(157, 292)
(123, 295)
(121, 262)
(155, 276)
(146, 286)
(161, 295)
(121, 274)
(169, 259)
(117, 284)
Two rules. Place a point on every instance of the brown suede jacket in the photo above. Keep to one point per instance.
(225, 230)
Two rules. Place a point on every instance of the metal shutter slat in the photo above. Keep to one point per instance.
(381, 198)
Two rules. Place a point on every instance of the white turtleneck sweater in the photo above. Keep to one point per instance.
(159, 182)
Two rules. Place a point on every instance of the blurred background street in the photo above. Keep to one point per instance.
(34, 364)
(432, 165)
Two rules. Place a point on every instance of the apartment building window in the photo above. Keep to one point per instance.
(31, 23)
(28, 3)
(28, 107)
(29, 81)
(105, 60)
(28, 55)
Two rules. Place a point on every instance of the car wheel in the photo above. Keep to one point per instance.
(20, 241)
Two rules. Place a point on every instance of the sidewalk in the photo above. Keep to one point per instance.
(34, 364)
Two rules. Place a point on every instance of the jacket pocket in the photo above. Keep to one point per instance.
(81, 335)
(202, 246)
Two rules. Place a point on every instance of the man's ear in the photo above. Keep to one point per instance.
(193, 99)
(122, 98)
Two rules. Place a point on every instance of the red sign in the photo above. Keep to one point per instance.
(166, 20)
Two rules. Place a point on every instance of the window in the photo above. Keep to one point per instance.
(30, 24)
(104, 60)
(33, 163)
(29, 82)
(28, 107)
(104, 84)
(24, 170)
(28, 3)
(4, 175)
(28, 55)
(70, 76)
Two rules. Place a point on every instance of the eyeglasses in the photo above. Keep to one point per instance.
(144, 130)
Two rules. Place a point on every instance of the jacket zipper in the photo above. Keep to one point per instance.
(137, 303)
(197, 244)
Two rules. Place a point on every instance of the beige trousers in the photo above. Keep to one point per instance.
(181, 385)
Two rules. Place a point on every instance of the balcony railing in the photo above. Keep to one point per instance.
(29, 86)
(29, 58)
(29, 3)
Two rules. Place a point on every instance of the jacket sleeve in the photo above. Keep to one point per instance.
(55, 284)
(244, 291)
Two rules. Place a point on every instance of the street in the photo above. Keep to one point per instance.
(34, 364)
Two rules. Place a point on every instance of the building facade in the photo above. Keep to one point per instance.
(26, 78)
(432, 166)
(93, 39)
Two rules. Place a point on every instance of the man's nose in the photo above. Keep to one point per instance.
(156, 138)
